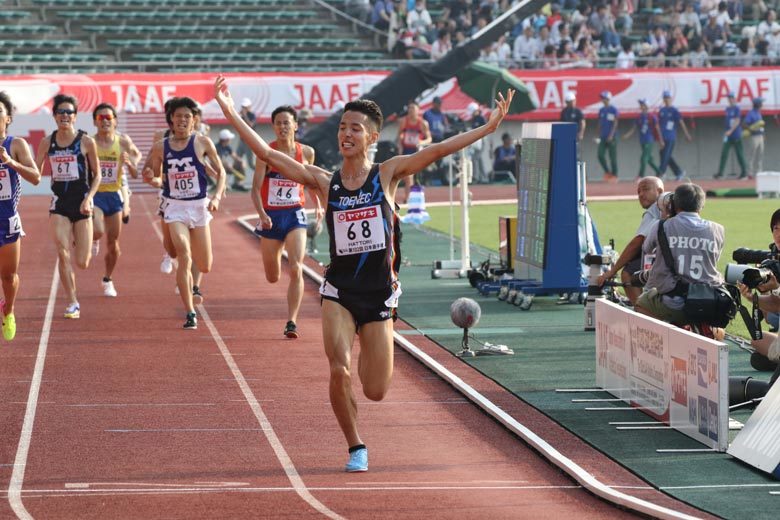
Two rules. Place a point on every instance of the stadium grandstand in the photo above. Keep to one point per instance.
(318, 35)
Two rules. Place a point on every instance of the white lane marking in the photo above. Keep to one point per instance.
(87, 485)
(281, 454)
(184, 430)
(17, 477)
(126, 405)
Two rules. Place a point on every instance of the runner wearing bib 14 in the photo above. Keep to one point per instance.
(15, 162)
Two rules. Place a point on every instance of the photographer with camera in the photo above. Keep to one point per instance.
(630, 261)
(694, 247)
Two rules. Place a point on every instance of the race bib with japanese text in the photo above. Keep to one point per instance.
(359, 230)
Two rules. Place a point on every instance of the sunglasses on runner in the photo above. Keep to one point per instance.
(104, 117)
(64, 111)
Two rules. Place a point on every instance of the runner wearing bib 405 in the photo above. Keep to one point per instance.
(279, 202)
(180, 160)
(116, 153)
(360, 289)
(15, 161)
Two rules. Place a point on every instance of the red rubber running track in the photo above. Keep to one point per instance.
(122, 414)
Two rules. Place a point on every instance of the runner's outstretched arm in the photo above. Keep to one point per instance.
(282, 162)
(405, 165)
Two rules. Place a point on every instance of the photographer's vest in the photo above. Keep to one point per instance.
(696, 245)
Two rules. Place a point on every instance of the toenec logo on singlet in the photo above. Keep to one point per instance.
(180, 164)
(351, 202)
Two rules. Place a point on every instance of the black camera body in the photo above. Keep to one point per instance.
(743, 255)
(768, 264)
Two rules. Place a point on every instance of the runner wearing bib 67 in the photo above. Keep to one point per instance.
(280, 206)
(360, 290)
(116, 152)
(71, 158)
(15, 161)
(187, 210)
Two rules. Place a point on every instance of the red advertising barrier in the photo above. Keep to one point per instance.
(697, 92)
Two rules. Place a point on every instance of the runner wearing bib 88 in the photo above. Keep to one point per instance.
(280, 205)
(360, 290)
(15, 161)
(180, 160)
(70, 157)
(116, 152)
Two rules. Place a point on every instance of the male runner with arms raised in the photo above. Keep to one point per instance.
(360, 291)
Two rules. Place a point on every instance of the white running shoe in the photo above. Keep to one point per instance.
(95, 247)
(108, 289)
(73, 311)
(166, 266)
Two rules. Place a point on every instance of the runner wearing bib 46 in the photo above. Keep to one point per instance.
(15, 161)
(116, 152)
(280, 206)
(70, 157)
(179, 159)
(360, 289)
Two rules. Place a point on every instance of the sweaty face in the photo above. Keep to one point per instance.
(356, 133)
(183, 120)
(105, 120)
(284, 125)
(65, 115)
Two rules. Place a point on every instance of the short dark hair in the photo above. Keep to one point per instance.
(59, 99)
(689, 197)
(369, 108)
(284, 108)
(180, 102)
(775, 219)
(103, 106)
(5, 99)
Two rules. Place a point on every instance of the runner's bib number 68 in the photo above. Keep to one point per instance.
(64, 167)
(184, 184)
(359, 230)
(283, 192)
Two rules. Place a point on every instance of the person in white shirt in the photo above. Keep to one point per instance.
(418, 20)
(690, 21)
(625, 58)
(768, 24)
(526, 47)
(442, 45)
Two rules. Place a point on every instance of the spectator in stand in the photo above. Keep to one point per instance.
(442, 45)
(690, 22)
(602, 26)
(504, 156)
(581, 15)
(626, 59)
(647, 124)
(481, 24)
(419, 21)
(748, 55)
(713, 35)
(698, 57)
(608, 124)
(658, 41)
(732, 138)
(757, 8)
(622, 11)
(304, 115)
(669, 117)
(734, 9)
(707, 6)
(565, 54)
(502, 52)
(586, 53)
(678, 48)
(561, 33)
(572, 114)
(723, 18)
(555, 16)
(460, 11)
(549, 58)
(380, 14)
(773, 45)
(437, 121)
(526, 48)
(544, 38)
(767, 24)
(754, 125)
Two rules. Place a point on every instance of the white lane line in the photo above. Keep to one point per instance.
(281, 454)
(184, 430)
(17, 477)
(127, 405)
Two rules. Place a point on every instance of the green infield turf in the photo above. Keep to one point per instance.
(746, 222)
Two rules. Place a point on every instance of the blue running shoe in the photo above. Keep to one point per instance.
(358, 461)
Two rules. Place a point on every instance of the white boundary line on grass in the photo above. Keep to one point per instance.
(265, 425)
(587, 480)
(20, 463)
